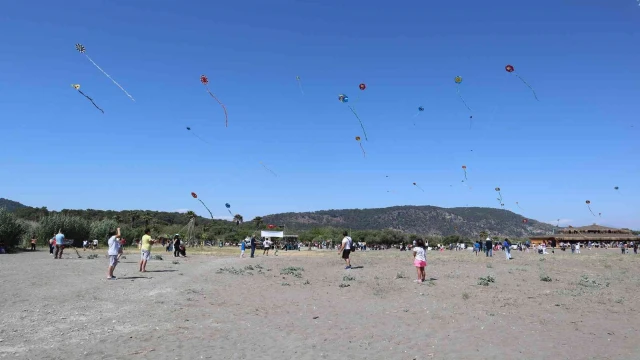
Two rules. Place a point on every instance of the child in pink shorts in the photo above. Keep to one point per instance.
(420, 259)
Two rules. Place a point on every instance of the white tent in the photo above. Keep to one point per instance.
(272, 234)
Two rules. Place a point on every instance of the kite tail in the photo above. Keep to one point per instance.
(90, 99)
(201, 139)
(418, 186)
(271, 171)
(300, 86)
(205, 206)
(363, 152)
(591, 210)
(362, 126)
(230, 213)
(533, 91)
(464, 102)
(226, 116)
(107, 75)
(465, 174)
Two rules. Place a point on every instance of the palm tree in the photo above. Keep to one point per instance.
(258, 221)
(238, 219)
(190, 214)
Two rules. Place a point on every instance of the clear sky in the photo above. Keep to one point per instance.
(577, 143)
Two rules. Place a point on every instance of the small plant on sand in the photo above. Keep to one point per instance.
(484, 281)
(285, 284)
(429, 282)
(542, 259)
(92, 256)
(306, 282)
(230, 270)
(489, 266)
(248, 267)
(400, 275)
(465, 296)
(175, 262)
(619, 301)
(545, 278)
(591, 283)
(157, 257)
(258, 266)
(348, 278)
(343, 285)
(293, 271)
(607, 266)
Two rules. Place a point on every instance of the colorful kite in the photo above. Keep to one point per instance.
(82, 50)
(265, 166)
(228, 206)
(299, 84)
(363, 152)
(416, 185)
(345, 99)
(196, 135)
(205, 81)
(195, 196)
(77, 87)
(458, 80)
(511, 69)
(589, 206)
(464, 168)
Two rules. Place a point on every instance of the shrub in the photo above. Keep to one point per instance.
(545, 278)
(73, 227)
(11, 229)
(100, 230)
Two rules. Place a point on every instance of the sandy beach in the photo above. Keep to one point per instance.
(305, 305)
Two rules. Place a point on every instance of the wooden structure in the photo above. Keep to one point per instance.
(584, 234)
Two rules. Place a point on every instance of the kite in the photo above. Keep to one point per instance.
(500, 198)
(271, 226)
(362, 86)
(195, 196)
(196, 135)
(524, 221)
(345, 99)
(205, 81)
(82, 50)
(600, 214)
(299, 84)
(265, 166)
(589, 206)
(77, 87)
(363, 152)
(618, 188)
(228, 206)
(511, 69)
(519, 206)
(558, 223)
(420, 109)
(458, 80)
(464, 168)
(416, 185)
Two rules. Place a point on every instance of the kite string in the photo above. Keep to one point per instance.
(357, 117)
(90, 99)
(589, 206)
(363, 152)
(460, 95)
(99, 68)
(205, 206)
(529, 86)
(201, 139)
(300, 86)
(226, 117)
(265, 166)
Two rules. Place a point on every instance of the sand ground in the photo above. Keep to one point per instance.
(66, 309)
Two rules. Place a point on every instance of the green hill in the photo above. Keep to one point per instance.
(10, 204)
(424, 220)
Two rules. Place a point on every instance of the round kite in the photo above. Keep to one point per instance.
(77, 87)
(205, 81)
(196, 135)
(82, 50)
(418, 186)
(588, 202)
(299, 84)
(524, 221)
(364, 154)
(511, 69)
(271, 226)
(458, 80)
(228, 206)
(362, 86)
(345, 99)
(464, 168)
(195, 196)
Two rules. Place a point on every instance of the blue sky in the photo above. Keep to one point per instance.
(576, 143)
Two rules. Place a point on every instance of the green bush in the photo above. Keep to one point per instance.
(72, 227)
(100, 230)
(11, 229)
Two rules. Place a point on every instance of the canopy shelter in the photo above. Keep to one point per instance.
(271, 234)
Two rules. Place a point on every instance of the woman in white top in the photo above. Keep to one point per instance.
(420, 259)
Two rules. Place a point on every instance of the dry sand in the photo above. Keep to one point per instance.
(66, 309)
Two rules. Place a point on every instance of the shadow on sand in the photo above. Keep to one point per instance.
(357, 267)
(168, 270)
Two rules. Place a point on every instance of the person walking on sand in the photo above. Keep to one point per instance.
(52, 244)
(252, 242)
(266, 246)
(507, 248)
(114, 250)
(488, 247)
(419, 259)
(145, 250)
(176, 245)
(476, 247)
(243, 246)
(59, 245)
(345, 249)
(33, 243)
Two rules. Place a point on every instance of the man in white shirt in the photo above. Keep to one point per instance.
(114, 250)
(85, 243)
(95, 244)
(266, 245)
(345, 249)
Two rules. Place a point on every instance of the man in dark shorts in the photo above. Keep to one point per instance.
(345, 249)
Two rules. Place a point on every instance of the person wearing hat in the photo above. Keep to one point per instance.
(488, 247)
